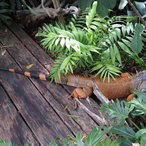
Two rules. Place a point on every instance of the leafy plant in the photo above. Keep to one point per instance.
(103, 5)
(7, 143)
(121, 132)
(129, 118)
(97, 137)
(119, 111)
(92, 44)
(4, 13)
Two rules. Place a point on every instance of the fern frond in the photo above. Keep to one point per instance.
(105, 70)
(108, 142)
(119, 39)
(139, 104)
(63, 65)
(118, 111)
(79, 20)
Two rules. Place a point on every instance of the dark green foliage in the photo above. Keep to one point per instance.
(22, 4)
(93, 44)
(125, 133)
(4, 13)
(139, 104)
(103, 5)
(117, 112)
(97, 137)
(9, 7)
(123, 129)
(121, 133)
(125, 114)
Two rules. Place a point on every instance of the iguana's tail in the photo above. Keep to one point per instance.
(35, 75)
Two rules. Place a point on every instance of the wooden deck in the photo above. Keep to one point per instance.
(32, 111)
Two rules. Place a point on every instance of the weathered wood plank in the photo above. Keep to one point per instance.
(12, 126)
(57, 91)
(38, 114)
(45, 59)
(24, 58)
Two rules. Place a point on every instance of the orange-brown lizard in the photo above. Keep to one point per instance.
(120, 87)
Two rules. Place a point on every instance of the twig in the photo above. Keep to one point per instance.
(42, 4)
(101, 121)
(41, 13)
(137, 12)
(6, 46)
(46, 4)
(56, 4)
(98, 93)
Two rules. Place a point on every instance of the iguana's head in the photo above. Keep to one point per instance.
(139, 81)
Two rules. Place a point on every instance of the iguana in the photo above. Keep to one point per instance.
(120, 87)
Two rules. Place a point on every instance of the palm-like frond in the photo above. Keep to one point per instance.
(101, 42)
(119, 39)
(105, 70)
(139, 104)
(118, 111)
(124, 131)
(64, 64)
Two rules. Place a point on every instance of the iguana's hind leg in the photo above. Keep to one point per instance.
(131, 96)
(82, 92)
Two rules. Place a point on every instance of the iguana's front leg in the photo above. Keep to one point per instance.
(82, 92)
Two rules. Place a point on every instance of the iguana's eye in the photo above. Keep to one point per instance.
(143, 90)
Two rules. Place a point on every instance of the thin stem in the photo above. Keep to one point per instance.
(129, 119)
(137, 12)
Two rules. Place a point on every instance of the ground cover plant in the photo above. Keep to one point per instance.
(127, 128)
(106, 46)
(93, 44)
(98, 45)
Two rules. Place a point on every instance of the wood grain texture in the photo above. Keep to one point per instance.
(37, 113)
(44, 106)
(12, 126)
(46, 61)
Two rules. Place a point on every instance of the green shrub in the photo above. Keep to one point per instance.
(127, 126)
(93, 44)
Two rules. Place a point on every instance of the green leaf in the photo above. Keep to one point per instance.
(62, 42)
(140, 133)
(118, 111)
(96, 135)
(108, 4)
(139, 104)
(125, 142)
(101, 9)
(91, 15)
(137, 39)
(124, 131)
(117, 54)
(79, 140)
(53, 143)
(1, 141)
(141, 136)
(125, 48)
(108, 142)
(82, 4)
